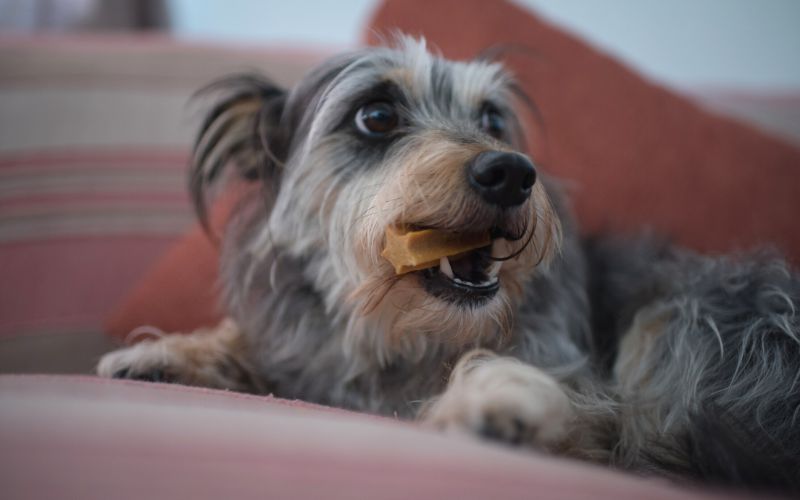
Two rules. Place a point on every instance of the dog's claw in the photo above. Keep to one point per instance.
(151, 376)
(154, 375)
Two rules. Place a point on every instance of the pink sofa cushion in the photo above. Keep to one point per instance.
(81, 437)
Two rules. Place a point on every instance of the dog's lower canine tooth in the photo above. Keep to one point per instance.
(444, 266)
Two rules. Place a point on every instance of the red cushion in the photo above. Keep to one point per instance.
(634, 154)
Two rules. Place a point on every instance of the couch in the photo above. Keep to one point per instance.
(97, 239)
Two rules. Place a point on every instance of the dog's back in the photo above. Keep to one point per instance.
(704, 356)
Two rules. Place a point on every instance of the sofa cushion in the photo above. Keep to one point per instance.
(82, 437)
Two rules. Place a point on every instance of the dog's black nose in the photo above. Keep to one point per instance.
(502, 179)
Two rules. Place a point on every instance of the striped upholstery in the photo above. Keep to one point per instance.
(76, 226)
(94, 136)
(80, 437)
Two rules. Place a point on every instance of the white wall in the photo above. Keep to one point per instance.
(751, 44)
(336, 23)
(729, 43)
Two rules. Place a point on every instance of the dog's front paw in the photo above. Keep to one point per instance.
(149, 361)
(502, 399)
(208, 358)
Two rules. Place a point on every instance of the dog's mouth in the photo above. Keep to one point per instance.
(471, 278)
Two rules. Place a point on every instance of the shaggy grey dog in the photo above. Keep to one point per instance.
(638, 355)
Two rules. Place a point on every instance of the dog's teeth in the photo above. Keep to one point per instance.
(444, 266)
(494, 269)
(489, 282)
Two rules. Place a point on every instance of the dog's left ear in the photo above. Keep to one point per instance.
(242, 130)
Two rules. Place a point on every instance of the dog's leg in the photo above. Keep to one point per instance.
(501, 398)
(212, 357)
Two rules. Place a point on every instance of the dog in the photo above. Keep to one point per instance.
(631, 353)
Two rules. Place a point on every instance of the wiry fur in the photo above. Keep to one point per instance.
(713, 390)
(662, 355)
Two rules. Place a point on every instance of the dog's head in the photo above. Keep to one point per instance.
(392, 137)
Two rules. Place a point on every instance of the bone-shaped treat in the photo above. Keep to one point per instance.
(414, 250)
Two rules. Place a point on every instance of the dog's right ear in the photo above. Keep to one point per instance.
(242, 130)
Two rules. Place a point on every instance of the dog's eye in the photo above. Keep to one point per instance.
(493, 123)
(376, 119)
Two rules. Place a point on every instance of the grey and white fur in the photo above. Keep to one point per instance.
(629, 353)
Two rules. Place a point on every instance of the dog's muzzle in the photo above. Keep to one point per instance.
(502, 179)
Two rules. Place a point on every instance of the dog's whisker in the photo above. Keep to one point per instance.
(370, 210)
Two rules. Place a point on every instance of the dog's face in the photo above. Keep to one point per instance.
(398, 136)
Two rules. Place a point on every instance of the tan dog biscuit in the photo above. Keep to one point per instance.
(414, 250)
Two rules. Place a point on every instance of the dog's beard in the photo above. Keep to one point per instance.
(338, 224)
(426, 187)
